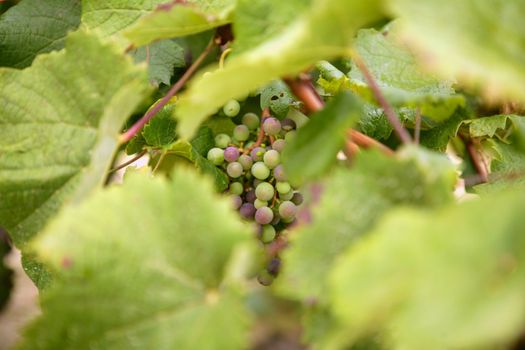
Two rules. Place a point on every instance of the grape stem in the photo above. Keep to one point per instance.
(402, 133)
(477, 159)
(135, 128)
(305, 91)
(260, 137)
(131, 161)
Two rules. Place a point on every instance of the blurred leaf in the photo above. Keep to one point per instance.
(480, 43)
(173, 300)
(33, 27)
(6, 274)
(203, 141)
(220, 125)
(313, 151)
(447, 279)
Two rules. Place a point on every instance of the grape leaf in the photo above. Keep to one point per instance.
(439, 136)
(162, 57)
(160, 131)
(180, 19)
(33, 27)
(60, 123)
(353, 200)
(173, 300)
(313, 151)
(203, 141)
(480, 43)
(325, 30)
(278, 98)
(220, 125)
(447, 279)
(490, 126)
(109, 17)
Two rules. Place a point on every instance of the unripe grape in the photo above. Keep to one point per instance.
(264, 191)
(257, 154)
(251, 120)
(231, 154)
(287, 124)
(286, 196)
(241, 133)
(222, 140)
(246, 161)
(272, 158)
(247, 210)
(236, 188)
(268, 233)
(216, 156)
(297, 198)
(237, 201)
(259, 204)
(278, 173)
(278, 145)
(263, 215)
(283, 187)
(231, 108)
(287, 210)
(276, 219)
(234, 169)
(264, 277)
(250, 196)
(290, 136)
(271, 126)
(259, 170)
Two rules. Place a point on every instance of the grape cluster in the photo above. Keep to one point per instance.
(251, 157)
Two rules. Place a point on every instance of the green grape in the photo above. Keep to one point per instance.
(251, 120)
(272, 158)
(231, 108)
(222, 140)
(236, 188)
(268, 233)
(287, 210)
(264, 191)
(216, 156)
(265, 278)
(278, 145)
(286, 196)
(259, 203)
(234, 169)
(290, 136)
(241, 133)
(283, 187)
(246, 161)
(272, 126)
(263, 215)
(260, 170)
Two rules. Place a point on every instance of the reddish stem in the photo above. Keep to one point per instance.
(131, 161)
(135, 128)
(260, 137)
(477, 160)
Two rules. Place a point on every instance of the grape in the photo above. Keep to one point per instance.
(236, 188)
(278, 145)
(271, 126)
(278, 173)
(283, 187)
(216, 156)
(265, 278)
(276, 219)
(264, 191)
(234, 169)
(222, 140)
(287, 210)
(286, 196)
(287, 124)
(272, 158)
(259, 170)
(268, 233)
(273, 266)
(257, 154)
(231, 154)
(231, 108)
(297, 198)
(290, 136)
(250, 196)
(251, 120)
(246, 161)
(264, 215)
(259, 203)
(237, 201)
(241, 133)
(247, 210)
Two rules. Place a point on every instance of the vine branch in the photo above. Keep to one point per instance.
(131, 161)
(135, 128)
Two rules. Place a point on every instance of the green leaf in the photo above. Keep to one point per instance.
(325, 30)
(400, 78)
(352, 202)
(313, 151)
(278, 98)
(220, 125)
(160, 131)
(203, 141)
(33, 27)
(180, 19)
(136, 271)
(480, 43)
(447, 279)
(493, 125)
(439, 136)
(60, 124)
(109, 17)
(162, 57)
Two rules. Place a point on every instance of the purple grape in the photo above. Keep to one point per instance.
(257, 154)
(250, 196)
(278, 145)
(273, 266)
(264, 215)
(237, 201)
(297, 198)
(287, 124)
(287, 210)
(278, 173)
(272, 126)
(231, 154)
(246, 161)
(247, 210)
